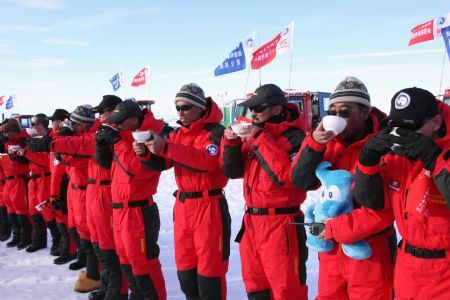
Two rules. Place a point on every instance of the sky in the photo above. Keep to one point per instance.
(61, 53)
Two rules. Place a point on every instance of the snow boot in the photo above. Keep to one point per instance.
(25, 232)
(39, 236)
(5, 225)
(15, 231)
(56, 238)
(64, 246)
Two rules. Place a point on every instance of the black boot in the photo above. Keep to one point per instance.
(5, 225)
(25, 232)
(64, 246)
(91, 260)
(135, 292)
(15, 230)
(56, 237)
(113, 290)
(189, 284)
(210, 287)
(39, 236)
(81, 256)
(147, 287)
(104, 274)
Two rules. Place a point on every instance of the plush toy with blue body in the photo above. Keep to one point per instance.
(335, 199)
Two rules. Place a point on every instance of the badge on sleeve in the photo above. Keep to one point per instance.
(212, 149)
(56, 162)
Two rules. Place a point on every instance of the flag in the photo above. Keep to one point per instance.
(282, 43)
(10, 102)
(446, 36)
(117, 81)
(238, 57)
(2, 100)
(140, 78)
(427, 31)
(422, 33)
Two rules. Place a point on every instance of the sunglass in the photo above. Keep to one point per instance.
(34, 124)
(260, 108)
(185, 107)
(343, 113)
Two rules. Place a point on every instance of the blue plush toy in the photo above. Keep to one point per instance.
(335, 199)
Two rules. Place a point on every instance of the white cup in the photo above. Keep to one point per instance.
(237, 127)
(30, 131)
(141, 136)
(334, 123)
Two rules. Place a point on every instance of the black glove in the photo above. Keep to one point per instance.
(65, 131)
(107, 135)
(316, 228)
(417, 146)
(375, 148)
(39, 145)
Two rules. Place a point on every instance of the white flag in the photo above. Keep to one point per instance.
(286, 42)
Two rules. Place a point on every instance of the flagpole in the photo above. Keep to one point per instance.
(292, 51)
(148, 79)
(259, 45)
(442, 72)
(246, 82)
(124, 84)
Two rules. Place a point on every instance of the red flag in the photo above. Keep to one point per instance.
(419, 196)
(2, 101)
(140, 78)
(422, 33)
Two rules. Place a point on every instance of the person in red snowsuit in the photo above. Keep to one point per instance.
(273, 254)
(99, 211)
(15, 169)
(82, 122)
(135, 215)
(39, 191)
(341, 277)
(201, 217)
(413, 179)
(5, 226)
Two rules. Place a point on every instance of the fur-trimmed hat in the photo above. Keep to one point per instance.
(192, 94)
(350, 89)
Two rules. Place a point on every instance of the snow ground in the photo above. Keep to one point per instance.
(34, 276)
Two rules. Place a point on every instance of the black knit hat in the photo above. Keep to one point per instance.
(412, 107)
(60, 115)
(267, 93)
(192, 94)
(124, 110)
(82, 114)
(108, 102)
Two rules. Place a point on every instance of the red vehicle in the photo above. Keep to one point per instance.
(313, 106)
(446, 98)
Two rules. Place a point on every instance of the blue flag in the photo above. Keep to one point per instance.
(446, 35)
(10, 102)
(116, 82)
(238, 57)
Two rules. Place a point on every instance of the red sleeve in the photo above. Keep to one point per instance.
(39, 158)
(273, 159)
(361, 223)
(71, 145)
(58, 172)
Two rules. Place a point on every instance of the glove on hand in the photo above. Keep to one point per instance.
(107, 135)
(39, 145)
(375, 148)
(417, 146)
(316, 228)
(65, 131)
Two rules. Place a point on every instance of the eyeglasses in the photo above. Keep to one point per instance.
(260, 108)
(185, 107)
(343, 113)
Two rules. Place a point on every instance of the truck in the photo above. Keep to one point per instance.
(446, 98)
(24, 120)
(313, 107)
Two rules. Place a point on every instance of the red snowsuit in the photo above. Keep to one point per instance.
(341, 277)
(273, 255)
(15, 170)
(422, 265)
(135, 216)
(39, 184)
(201, 217)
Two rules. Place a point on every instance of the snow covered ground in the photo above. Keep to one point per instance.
(34, 276)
